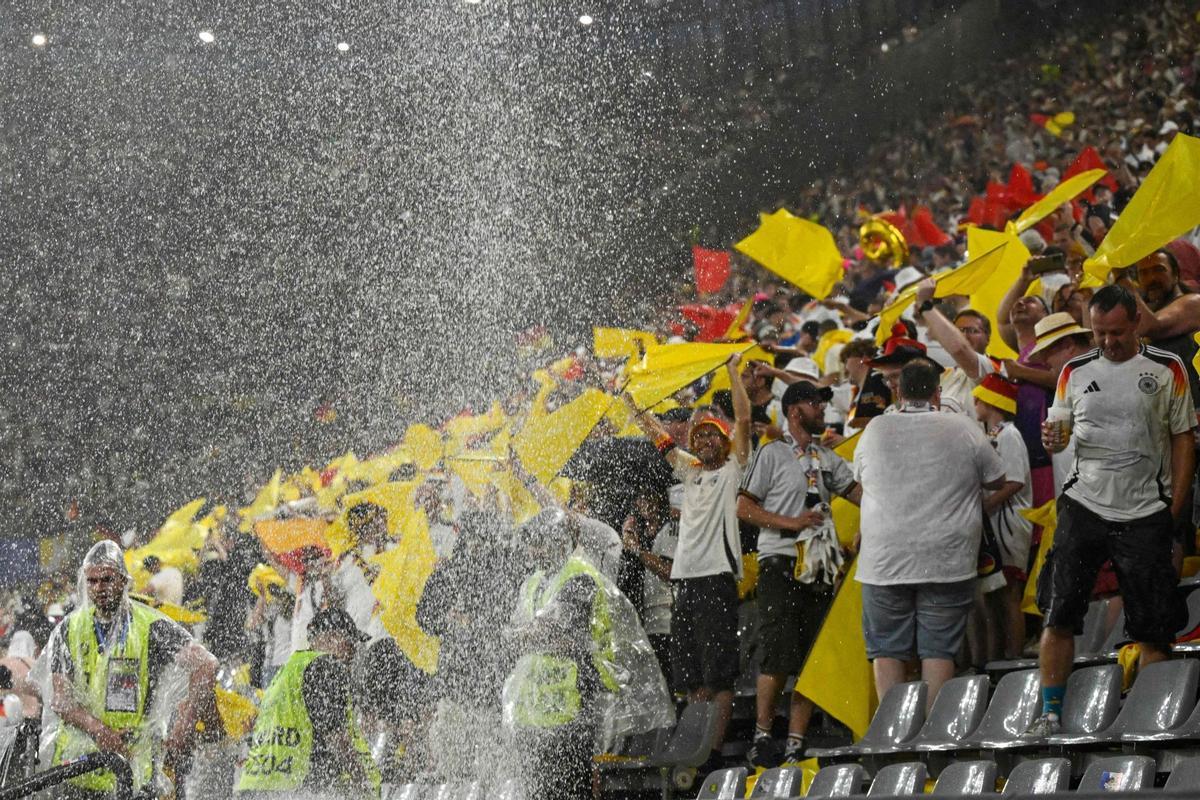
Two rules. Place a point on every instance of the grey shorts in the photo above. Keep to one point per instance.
(925, 620)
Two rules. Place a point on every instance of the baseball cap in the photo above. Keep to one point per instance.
(803, 391)
(335, 620)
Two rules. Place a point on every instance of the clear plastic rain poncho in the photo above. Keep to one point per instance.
(170, 688)
(642, 701)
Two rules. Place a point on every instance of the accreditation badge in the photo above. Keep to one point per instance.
(122, 694)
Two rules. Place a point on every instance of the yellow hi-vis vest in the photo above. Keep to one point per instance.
(91, 683)
(281, 744)
(545, 687)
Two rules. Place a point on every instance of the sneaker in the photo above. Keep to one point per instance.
(763, 753)
(793, 755)
(1043, 726)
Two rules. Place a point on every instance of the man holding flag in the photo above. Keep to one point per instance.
(708, 560)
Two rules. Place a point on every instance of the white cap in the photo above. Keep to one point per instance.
(803, 365)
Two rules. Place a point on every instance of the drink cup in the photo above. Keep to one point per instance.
(1058, 420)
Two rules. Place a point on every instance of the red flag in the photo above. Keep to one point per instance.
(712, 268)
(926, 231)
(712, 322)
(1089, 159)
(1020, 187)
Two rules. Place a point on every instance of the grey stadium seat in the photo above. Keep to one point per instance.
(956, 713)
(966, 778)
(898, 719)
(1118, 774)
(1043, 776)
(899, 779)
(1090, 705)
(691, 741)
(724, 784)
(1162, 697)
(781, 783)
(837, 780)
(1015, 703)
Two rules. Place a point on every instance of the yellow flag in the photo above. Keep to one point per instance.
(720, 378)
(620, 342)
(266, 499)
(801, 252)
(826, 343)
(1045, 515)
(1067, 190)
(425, 446)
(394, 497)
(667, 368)
(545, 444)
(403, 571)
(1163, 209)
(965, 279)
(1196, 358)
(837, 675)
(175, 544)
(845, 514)
(986, 297)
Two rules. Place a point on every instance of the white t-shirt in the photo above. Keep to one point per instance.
(777, 478)
(351, 582)
(1012, 530)
(1122, 418)
(922, 476)
(957, 387)
(167, 585)
(279, 649)
(709, 542)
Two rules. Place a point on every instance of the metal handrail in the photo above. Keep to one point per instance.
(73, 769)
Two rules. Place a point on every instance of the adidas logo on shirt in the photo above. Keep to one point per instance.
(1092, 387)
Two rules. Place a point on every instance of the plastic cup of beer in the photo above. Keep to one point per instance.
(1059, 422)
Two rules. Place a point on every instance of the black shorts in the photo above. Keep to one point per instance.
(1141, 554)
(790, 614)
(704, 640)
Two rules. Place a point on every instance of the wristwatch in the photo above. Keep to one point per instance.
(926, 306)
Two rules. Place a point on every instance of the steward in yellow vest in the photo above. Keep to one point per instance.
(551, 699)
(106, 661)
(306, 737)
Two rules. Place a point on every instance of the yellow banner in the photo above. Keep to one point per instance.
(801, 252)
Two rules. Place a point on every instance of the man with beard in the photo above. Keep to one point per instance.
(107, 660)
(707, 564)
(787, 490)
(1170, 314)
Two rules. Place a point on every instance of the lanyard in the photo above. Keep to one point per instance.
(102, 635)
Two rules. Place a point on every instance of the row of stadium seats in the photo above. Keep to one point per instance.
(1050, 776)
(1161, 708)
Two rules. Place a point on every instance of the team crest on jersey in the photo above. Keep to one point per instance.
(1147, 383)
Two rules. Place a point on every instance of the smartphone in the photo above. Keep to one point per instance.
(1040, 265)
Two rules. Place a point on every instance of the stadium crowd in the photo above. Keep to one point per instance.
(714, 501)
